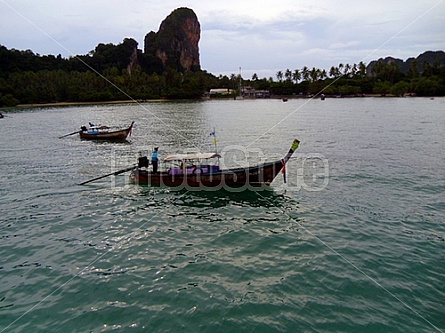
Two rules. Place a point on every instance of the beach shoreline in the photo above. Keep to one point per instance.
(160, 100)
(56, 104)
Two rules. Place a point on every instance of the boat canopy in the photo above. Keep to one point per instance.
(195, 156)
(100, 127)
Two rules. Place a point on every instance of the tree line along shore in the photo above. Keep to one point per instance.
(30, 79)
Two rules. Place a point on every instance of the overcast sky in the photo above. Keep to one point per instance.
(260, 36)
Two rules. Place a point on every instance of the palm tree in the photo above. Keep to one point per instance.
(340, 68)
(296, 75)
(362, 68)
(234, 81)
(305, 73)
(288, 75)
(347, 69)
(354, 69)
(314, 74)
(279, 76)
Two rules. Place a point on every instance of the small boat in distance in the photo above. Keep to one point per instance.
(104, 133)
(197, 172)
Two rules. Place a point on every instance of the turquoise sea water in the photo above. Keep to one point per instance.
(353, 242)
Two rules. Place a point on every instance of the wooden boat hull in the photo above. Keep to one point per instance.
(254, 177)
(120, 135)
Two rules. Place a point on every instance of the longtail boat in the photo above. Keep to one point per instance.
(196, 171)
(104, 133)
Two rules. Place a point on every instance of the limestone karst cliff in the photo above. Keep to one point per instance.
(176, 42)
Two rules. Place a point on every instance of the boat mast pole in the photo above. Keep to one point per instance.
(240, 94)
(215, 140)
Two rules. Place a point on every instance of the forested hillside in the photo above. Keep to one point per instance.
(110, 72)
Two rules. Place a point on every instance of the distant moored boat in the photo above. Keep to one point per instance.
(103, 133)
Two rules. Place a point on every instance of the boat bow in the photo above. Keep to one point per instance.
(294, 147)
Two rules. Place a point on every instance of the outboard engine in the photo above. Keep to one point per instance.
(143, 162)
(84, 129)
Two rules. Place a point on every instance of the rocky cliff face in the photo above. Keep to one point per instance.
(176, 42)
(429, 57)
(133, 59)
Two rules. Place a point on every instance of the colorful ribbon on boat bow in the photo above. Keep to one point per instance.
(283, 170)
